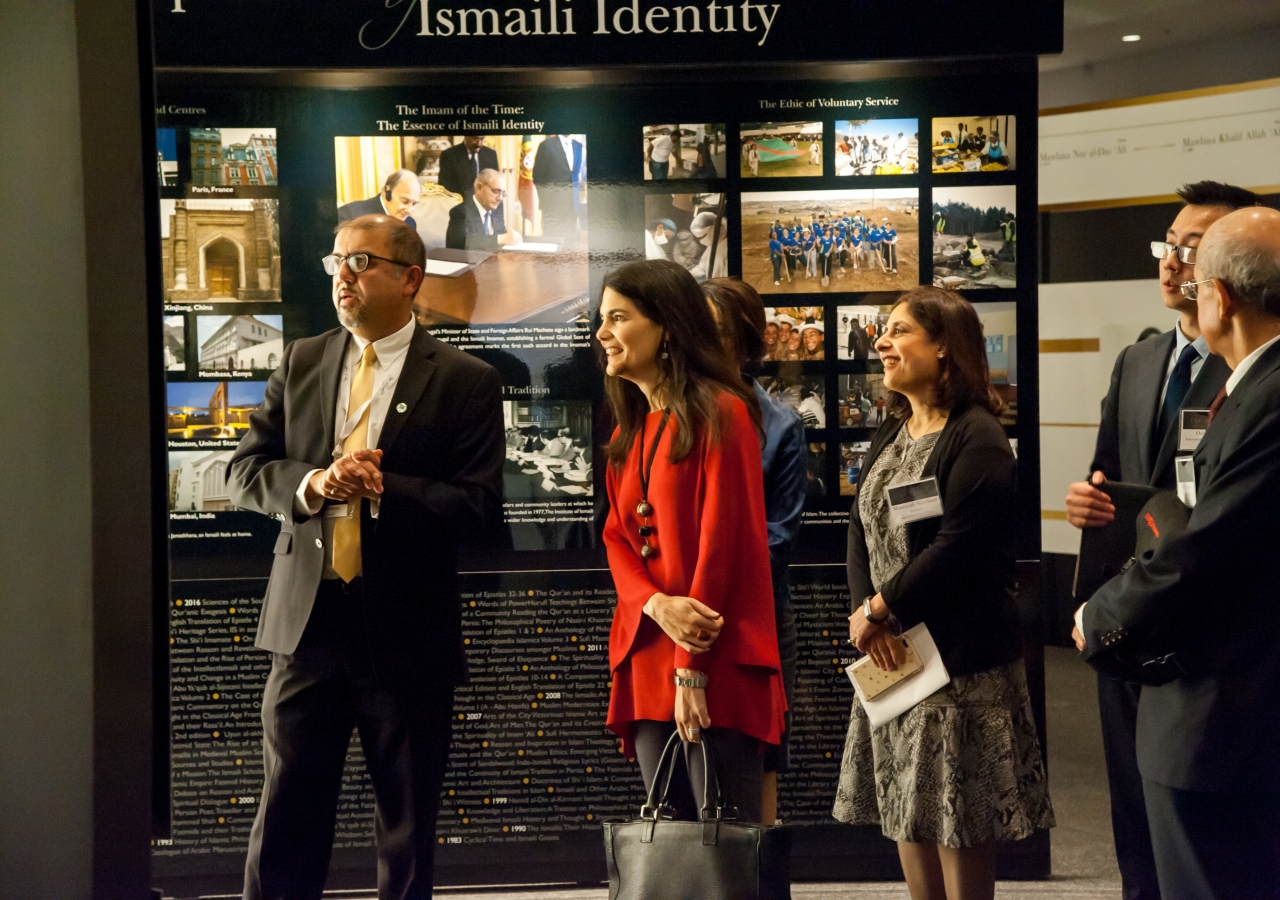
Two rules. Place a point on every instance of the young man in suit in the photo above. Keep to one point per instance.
(557, 172)
(478, 223)
(461, 164)
(1208, 741)
(377, 447)
(1137, 442)
(400, 194)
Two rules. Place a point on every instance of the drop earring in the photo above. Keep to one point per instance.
(665, 354)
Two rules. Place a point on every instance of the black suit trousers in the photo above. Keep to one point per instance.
(1215, 846)
(313, 699)
(1118, 707)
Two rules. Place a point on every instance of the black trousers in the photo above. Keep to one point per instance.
(313, 699)
(739, 766)
(1118, 707)
(1215, 846)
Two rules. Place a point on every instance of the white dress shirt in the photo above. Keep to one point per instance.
(662, 146)
(567, 143)
(1246, 364)
(486, 216)
(391, 351)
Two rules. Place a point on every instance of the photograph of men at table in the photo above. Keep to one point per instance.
(548, 450)
(533, 273)
(478, 222)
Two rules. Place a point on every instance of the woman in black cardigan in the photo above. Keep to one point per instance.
(962, 769)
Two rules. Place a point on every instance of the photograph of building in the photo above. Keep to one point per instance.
(220, 250)
(831, 241)
(877, 147)
(175, 343)
(239, 342)
(167, 156)
(211, 409)
(198, 481)
(233, 156)
(781, 149)
(684, 151)
(975, 237)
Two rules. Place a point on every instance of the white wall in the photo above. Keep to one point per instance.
(1099, 319)
(46, 679)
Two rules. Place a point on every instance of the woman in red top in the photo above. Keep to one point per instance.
(686, 540)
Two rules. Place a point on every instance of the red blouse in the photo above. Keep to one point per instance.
(709, 529)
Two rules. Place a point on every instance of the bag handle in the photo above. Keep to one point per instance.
(667, 762)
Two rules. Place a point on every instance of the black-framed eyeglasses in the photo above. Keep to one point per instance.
(1162, 249)
(357, 262)
(1190, 290)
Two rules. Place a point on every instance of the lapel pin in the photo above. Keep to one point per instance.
(401, 407)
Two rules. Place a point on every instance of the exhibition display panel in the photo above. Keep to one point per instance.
(707, 165)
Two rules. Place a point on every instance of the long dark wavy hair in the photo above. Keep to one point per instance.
(696, 370)
(964, 379)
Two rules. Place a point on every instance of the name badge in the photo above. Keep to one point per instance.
(335, 511)
(1194, 423)
(914, 501)
(1184, 469)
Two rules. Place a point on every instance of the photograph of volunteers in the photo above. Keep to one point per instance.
(794, 333)
(859, 327)
(493, 211)
(862, 401)
(851, 457)
(975, 237)
(806, 394)
(781, 149)
(689, 229)
(877, 147)
(817, 241)
(548, 450)
(684, 151)
(974, 144)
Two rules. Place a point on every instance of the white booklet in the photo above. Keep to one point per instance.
(893, 702)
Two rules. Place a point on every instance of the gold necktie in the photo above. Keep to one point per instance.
(346, 531)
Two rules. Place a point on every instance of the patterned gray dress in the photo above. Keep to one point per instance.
(962, 767)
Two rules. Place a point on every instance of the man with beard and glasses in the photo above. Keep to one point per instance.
(378, 448)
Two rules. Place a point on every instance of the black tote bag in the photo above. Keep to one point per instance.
(656, 857)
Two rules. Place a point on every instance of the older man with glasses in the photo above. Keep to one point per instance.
(1137, 442)
(1208, 739)
(478, 222)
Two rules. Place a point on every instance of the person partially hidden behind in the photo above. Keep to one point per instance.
(1151, 383)
(400, 194)
(1208, 741)
(478, 223)
(378, 447)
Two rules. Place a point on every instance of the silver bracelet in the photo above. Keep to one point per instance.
(697, 681)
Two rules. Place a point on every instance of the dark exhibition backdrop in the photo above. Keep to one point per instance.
(308, 117)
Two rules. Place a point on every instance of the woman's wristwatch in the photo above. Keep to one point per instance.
(699, 680)
(866, 612)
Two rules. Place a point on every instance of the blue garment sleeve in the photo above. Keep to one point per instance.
(784, 488)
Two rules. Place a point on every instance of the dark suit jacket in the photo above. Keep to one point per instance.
(442, 476)
(458, 173)
(1124, 449)
(959, 579)
(1212, 596)
(550, 165)
(466, 228)
(370, 207)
